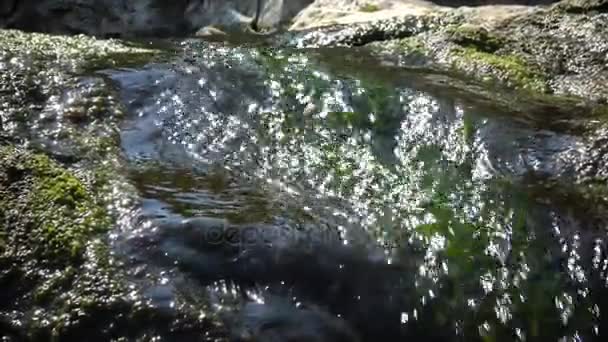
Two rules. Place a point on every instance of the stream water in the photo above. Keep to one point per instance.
(320, 196)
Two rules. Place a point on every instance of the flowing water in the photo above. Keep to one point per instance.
(321, 196)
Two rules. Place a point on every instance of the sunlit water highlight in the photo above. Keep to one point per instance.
(304, 200)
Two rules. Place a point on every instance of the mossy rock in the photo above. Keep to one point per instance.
(475, 37)
(600, 111)
(511, 70)
(369, 8)
(51, 212)
(75, 52)
(412, 45)
(59, 279)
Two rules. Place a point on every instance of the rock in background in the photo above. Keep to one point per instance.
(123, 18)
(559, 49)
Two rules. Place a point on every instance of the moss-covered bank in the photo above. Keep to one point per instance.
(60, 192)
(49, 211)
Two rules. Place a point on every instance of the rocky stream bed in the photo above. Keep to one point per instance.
(393, 171)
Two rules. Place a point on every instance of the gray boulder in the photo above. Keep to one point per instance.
(143, 17)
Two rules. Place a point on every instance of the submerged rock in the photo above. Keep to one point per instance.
(280, 321)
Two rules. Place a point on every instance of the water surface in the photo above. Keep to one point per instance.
(321, 196)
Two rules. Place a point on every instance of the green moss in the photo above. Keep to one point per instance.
(122, 59)
(475, 37)
(600, 111)
(48, 290)
(512, 70)
(369, 8)
(412, 45)
(62, 215)
(68, 214)
(76, 52)
(478, 52)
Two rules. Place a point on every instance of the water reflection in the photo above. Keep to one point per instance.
(291, 190)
